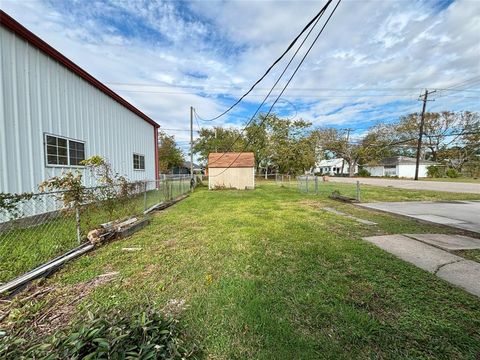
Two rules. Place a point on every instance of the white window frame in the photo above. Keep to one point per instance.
(133, 162)
(68, 151)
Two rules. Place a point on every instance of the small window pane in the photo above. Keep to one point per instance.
(62, 151)
(51, 140)
(52, 160)
(51, 150)
(62, 142)
(62, 160)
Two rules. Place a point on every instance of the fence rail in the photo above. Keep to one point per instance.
(40, 227)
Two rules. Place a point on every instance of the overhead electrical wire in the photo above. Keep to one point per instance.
(280, 77)
(288, 82)
(314, 20)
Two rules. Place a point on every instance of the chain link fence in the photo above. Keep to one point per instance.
(39, 227)
(320, 185)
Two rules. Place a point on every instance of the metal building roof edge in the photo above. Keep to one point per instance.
(11, 24)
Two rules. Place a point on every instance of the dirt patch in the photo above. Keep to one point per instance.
(170, 243)
(42, 310)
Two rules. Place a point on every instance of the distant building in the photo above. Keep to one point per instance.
(185, 169)
(54, 115)
(337, 166)
(231, 170)
(401, 166)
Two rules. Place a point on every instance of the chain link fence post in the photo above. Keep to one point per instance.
(145, 196)
(77, 224)
(316, 185)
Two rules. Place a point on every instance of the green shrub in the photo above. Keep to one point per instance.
(452, 173)
(145, 335)
(364, 173)
(433, 171)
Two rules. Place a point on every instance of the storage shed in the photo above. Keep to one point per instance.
(53, 115)
(231, 170)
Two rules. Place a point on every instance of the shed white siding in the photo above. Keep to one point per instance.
(234, 177)
(38, 96)
(401, 170)
(408, 170)
(375, 170)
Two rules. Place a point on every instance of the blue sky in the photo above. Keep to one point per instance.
(368, 67)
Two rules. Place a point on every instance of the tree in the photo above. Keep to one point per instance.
(290, 148)
(169, 154)
(335, 141)
(463, 147)
(442, 130)
(218, 139)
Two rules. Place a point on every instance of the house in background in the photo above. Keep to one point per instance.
(333, 167)
(54, 114)
(185, 169)
(231, 170)
(401, 166)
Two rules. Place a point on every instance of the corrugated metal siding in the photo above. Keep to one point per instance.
(38, 96)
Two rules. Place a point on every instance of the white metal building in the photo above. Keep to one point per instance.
(231, 170)
(53, 114)
(401, 166)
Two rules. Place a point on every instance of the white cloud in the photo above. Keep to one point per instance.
(223, 46)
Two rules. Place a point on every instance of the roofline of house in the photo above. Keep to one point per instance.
(11, 24)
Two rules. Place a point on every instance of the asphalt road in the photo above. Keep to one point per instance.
(458, 187)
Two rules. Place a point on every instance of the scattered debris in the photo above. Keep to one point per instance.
(60, 304)
(337, 196)
(47, 268)
(174, 307)
(132, 249)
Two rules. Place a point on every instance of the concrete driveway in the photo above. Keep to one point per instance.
(473, 188)
(459, 214)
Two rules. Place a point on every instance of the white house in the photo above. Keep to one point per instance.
(231, 170)
(401, 166)
(333, 167)
(53, 114)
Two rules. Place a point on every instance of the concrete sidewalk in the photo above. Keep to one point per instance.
(458, 187)
(463, 215)
(452, 268)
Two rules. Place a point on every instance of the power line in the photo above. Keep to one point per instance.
(288, 82)
(314, 20)
(280, 77)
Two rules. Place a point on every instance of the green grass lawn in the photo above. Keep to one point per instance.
(268, 274)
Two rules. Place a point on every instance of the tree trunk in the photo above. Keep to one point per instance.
(351, 169)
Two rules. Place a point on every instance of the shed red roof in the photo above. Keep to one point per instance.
(232, 159)
(8, 22)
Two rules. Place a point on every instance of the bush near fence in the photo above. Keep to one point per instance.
(40, 228)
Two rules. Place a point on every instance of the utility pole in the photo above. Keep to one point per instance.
(192, 180)
(423, 98)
